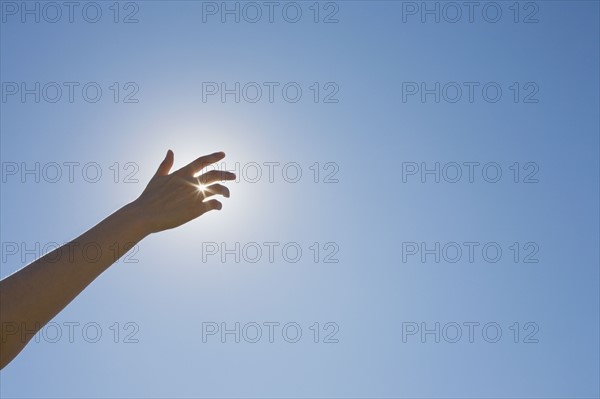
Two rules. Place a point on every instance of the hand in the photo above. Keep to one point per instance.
(171, 200)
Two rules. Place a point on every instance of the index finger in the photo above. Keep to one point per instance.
(196, 166)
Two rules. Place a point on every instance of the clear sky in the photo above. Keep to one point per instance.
(410, 173)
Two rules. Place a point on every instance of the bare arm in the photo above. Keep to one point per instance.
(32, 296)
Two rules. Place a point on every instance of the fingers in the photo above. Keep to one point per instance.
(166, 164)
(196, 166)
(214, 176)
(216, 189)
(212, 204)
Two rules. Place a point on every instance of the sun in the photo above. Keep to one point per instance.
(201, 188)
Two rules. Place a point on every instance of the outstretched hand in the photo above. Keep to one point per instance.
(32, 296)
(172, 199)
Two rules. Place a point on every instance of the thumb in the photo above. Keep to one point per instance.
(166, 164)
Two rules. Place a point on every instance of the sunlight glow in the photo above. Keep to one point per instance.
(201, 187)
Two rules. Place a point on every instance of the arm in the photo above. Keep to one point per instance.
(32, 296)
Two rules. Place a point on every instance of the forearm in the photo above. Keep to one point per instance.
(31, 297)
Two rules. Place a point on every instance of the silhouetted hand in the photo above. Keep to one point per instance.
(171, 200)
(32, 296)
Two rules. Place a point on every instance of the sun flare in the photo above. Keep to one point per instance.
(201, 187)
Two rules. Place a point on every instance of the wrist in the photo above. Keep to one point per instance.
(137, 220)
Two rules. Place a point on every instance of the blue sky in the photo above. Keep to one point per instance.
(353, 133)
